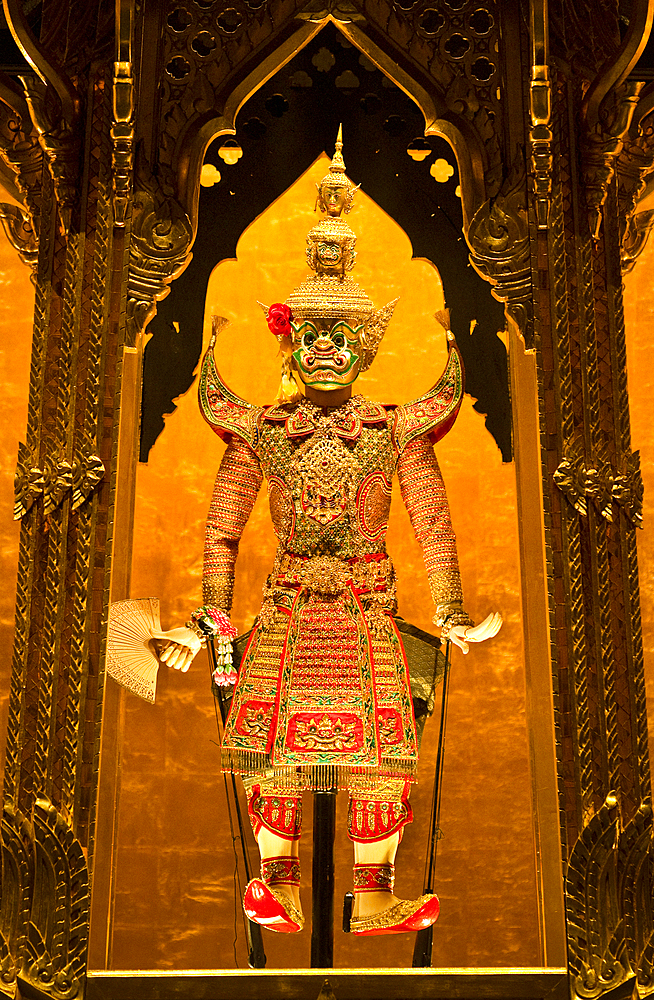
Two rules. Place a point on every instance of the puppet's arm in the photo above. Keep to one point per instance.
(423, 492)
(234, 493)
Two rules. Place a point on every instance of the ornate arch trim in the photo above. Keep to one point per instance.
(439, 120)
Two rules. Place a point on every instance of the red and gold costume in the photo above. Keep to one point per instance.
(323, 689)
(323, 697)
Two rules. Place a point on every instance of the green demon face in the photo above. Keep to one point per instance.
(326, 355)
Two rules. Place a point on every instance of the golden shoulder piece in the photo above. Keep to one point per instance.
(228, 414)
(435, 412)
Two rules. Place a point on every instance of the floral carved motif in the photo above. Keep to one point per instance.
(581, 480)
(54, 481)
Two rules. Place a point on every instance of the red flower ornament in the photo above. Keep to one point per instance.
(279, 319)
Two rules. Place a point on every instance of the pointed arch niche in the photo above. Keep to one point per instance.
(171, 891)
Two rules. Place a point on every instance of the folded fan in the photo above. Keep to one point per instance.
(131, 659)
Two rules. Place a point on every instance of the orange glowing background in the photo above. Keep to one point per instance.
(175, 899)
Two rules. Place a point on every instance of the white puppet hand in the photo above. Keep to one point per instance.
(177, 648)
(461, 635)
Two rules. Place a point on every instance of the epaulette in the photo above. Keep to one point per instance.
(435, 412)
(228, 414)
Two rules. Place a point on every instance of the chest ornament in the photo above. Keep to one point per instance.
(326, 477)
(346, 422)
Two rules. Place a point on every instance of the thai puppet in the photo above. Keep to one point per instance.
(322, 698)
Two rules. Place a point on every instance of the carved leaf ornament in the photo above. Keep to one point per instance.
(580, 481)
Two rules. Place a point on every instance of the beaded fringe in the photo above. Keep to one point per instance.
(317, 777)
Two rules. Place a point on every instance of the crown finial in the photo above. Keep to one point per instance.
(337, 182)
(338, 164)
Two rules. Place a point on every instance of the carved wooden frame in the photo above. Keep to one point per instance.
(549, 242)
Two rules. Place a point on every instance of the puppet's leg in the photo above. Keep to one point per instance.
(375, 826)
(274, 899)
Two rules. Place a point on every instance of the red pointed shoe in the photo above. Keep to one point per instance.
(271, 909)
(409, 915)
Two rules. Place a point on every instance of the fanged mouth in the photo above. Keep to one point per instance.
(328, 375)
(334, 363)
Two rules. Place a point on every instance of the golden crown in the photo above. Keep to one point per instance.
(330, 293)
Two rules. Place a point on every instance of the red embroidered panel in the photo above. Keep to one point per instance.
(309, 731)
(390, 726)
(254, 720)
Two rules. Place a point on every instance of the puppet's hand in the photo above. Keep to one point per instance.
(461, 635)
(177, 648)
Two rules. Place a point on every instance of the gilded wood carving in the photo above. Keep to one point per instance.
(109, 170)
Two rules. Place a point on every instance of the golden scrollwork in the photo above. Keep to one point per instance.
(53, 105)
(598, 958)
(17, 225)
(21, 152)
(607, 112)
(60, 141)
(499, 248)
(45, 882)
(159, 250)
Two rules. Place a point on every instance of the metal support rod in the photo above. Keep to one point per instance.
(322, 877)
(422, 951)
(256, 953)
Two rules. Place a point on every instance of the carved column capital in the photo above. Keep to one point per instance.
(60, 140)
(21, 152)
(162, 235)
(603, 143)
(499, 243)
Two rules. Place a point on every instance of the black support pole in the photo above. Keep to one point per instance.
(322, 907)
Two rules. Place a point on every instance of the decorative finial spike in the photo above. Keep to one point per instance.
(337, 166)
